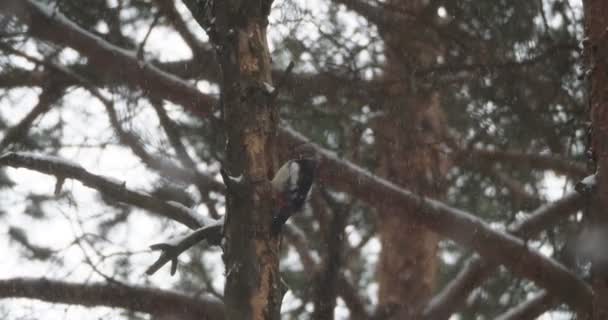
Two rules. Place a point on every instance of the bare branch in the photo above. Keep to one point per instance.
(152, 301)
(168, 9)
(171, 250)
(35, 251)
(62, 169)
(531, 309)
(16, 77)
(118, 190)
(204, 183)
(140, 49)
(345, 288)
(174, 135)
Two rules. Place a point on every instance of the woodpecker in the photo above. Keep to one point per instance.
(292, 183)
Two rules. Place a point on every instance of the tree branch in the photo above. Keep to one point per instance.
(458, 225)
(46, 99)
(16, 77)
(345, 288)
(524, 160)
(112, 62)
(530, 309)
(63, 169)
(152, 301)
(34, 251)
(46, 23)
(476, 270)
(517, 191)
(171, 250)
(375, 14)
(167, 7)
(203, 182)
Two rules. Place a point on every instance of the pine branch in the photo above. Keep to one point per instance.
(64, 169)
(140, 299)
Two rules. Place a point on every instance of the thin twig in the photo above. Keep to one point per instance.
(140, 49)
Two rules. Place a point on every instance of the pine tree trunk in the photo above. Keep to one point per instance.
(252, 288)
(596, 55)
(408, 136)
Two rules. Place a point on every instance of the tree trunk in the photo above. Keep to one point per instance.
(408, 137)
(251, 254)
(596, 55)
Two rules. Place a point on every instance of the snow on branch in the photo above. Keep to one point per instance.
(463, 227)
(64, 169)
(587, 185)
(171, 249)
(140, 299)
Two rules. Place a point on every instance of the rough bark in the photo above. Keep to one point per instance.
(596, 54)
(407, 137)
(252, 288)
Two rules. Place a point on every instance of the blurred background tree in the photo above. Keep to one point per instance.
(478, 104)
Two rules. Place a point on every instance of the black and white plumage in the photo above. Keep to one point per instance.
(292, 183)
